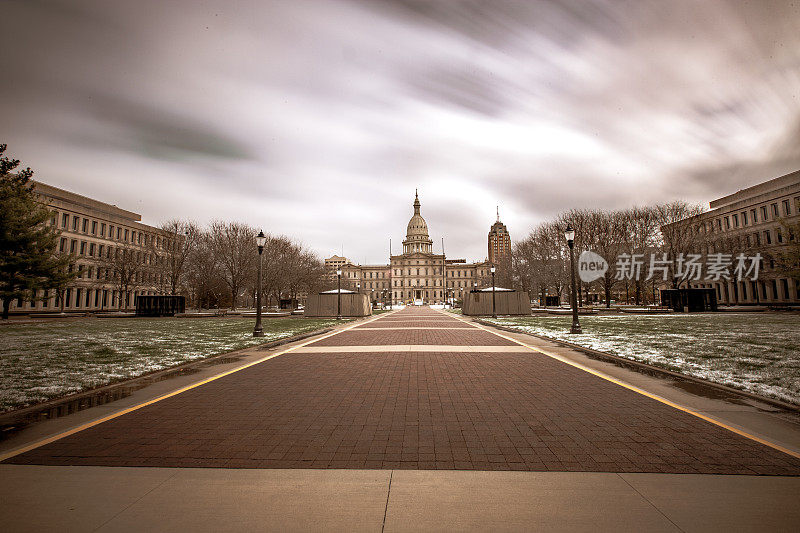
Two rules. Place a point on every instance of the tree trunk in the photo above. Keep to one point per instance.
(6, 307)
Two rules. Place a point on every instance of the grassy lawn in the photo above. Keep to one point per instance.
(757, 352)
(45, 360)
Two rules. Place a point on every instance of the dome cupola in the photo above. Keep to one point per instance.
(417, 239)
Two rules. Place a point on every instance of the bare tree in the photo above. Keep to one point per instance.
(206, 287)
(234, 248)
(174, 252)
(122, 264)
(680, 235)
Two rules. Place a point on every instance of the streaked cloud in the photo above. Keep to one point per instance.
(318, 119)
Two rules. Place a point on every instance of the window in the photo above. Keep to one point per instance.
(91, 250)
(103, 229)
(763, 213)
(75, 223)
(767, 237)
(85, 225)
(735, 221)
(778, 235)
(72, 246)
(753, 215)
(83, 247)
(775, 210)
(126, 235)
(786, 208)
(64, 220)
(757, 238)
(744, 218)
(727, 223)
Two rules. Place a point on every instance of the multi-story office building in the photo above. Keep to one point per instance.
(417, 274)
(499, 242)
(96, 234)
(762, 219)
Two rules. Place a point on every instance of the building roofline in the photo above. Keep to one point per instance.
(754, 190)
(84, 201)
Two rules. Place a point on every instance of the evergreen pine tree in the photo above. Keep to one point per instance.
(28, 260)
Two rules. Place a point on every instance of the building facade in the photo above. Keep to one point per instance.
(417, 274)
(762, 219)
(100, 237)
(499, 242)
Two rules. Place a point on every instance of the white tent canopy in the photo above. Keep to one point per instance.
(496, 289)
(334, 291)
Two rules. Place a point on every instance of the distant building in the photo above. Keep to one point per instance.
(335, 262)
(754, 220)
(417, 274)
(499, 242)
(90, 230)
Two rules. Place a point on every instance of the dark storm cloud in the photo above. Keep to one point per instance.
(319, 119)
(162, 133)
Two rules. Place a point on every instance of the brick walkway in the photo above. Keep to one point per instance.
(415, 410)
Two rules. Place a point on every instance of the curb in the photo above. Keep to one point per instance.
(652, 370)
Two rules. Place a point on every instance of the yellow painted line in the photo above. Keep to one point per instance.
(643, 392)
(87, 425)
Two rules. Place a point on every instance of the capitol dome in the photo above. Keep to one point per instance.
(417, 239)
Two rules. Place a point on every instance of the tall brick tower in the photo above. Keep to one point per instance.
(499, 242)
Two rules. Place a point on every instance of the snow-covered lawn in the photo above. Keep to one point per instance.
(757, 352)
(45, 360)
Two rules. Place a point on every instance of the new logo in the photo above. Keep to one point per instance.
(591, 266)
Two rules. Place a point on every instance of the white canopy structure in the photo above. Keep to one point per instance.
(496, 289)
(334, 291)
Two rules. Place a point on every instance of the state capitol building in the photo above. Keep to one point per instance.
(418, 273)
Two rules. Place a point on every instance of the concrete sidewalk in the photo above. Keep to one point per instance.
(42, 498)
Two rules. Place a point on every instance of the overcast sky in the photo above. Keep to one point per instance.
(319, 119)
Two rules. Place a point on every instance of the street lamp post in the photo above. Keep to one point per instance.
(339, 295)
(260, 241)
(569, 234)
(494, 309)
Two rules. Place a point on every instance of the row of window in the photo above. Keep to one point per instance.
(747, 218)
(140, 276)
(375, 285)
(755, 291)
(435, 271)
(410, 294)
(91, 249)
(416, 283)
(84, 298)
(751, 240)
(85, 225)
